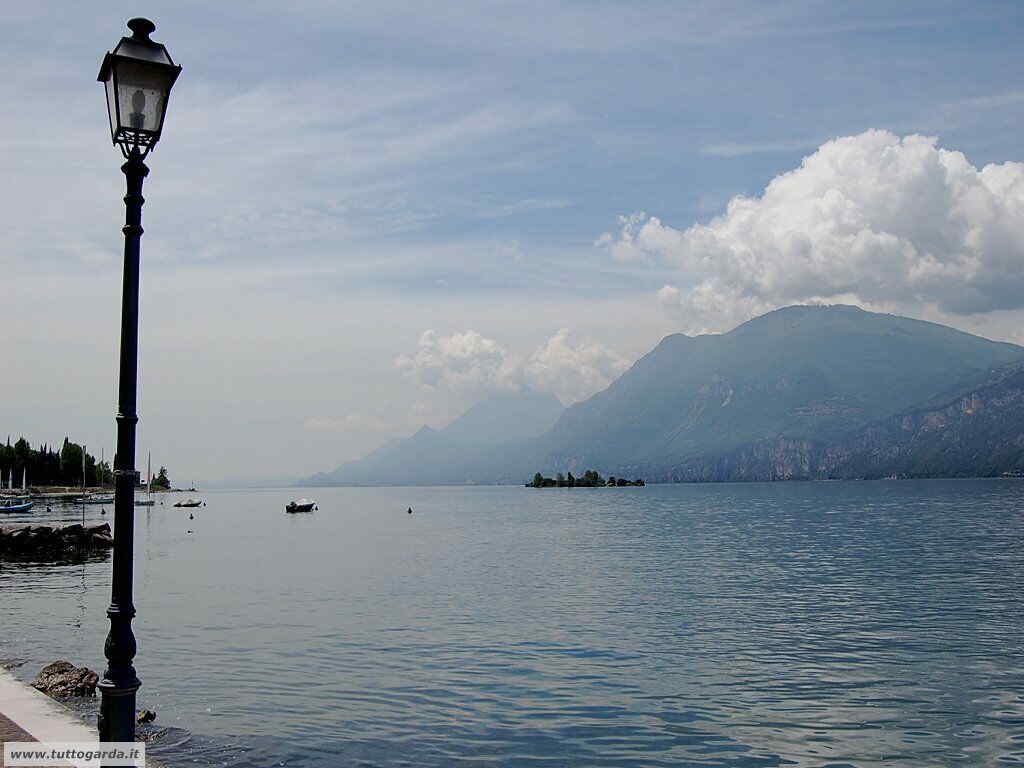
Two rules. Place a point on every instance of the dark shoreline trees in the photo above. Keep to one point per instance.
(50, 466)
(589, 479)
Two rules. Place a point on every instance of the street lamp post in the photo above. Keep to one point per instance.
(138, 75)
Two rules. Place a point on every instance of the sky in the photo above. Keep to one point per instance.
(364, 217)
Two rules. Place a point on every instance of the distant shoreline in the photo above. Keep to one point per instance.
(61, 492)
(512, 484)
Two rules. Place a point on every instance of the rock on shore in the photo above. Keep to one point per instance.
(45, 539)
(62, 678)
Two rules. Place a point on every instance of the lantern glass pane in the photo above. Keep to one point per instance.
(142, 95)
(111, 104)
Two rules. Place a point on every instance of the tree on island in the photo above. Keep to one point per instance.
(539, 481)
(161, 481)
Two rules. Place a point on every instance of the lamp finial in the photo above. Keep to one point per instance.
(141, 29)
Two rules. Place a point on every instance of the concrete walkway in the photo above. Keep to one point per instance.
(29, 715)
(9, 731)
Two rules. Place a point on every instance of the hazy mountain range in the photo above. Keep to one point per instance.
(474, 448)
(802, 392)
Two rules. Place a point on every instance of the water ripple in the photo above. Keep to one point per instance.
(811, 625)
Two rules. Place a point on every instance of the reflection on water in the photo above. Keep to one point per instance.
(815, 624)
(24, 562)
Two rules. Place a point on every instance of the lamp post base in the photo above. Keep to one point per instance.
(117, 710)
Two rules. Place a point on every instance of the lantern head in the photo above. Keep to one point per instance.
(138, 75)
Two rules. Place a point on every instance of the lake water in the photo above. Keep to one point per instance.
(806, 624)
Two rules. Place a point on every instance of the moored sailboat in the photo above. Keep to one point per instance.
(148, 501)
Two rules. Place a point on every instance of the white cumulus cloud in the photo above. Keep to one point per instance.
(464, 362)
(874, 218)
(572, 369)
(468, 363)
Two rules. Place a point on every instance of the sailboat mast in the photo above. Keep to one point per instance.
(83, 485)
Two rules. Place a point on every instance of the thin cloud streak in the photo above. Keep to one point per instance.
(758, 148)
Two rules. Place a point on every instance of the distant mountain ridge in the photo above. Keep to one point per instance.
(803, 392)
(473, 448)
(803, 373)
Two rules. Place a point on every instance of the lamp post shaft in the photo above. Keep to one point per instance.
(119, 683)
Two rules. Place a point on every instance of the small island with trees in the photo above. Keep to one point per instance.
(589, 479)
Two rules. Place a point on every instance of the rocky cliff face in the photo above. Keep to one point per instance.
(979, 432)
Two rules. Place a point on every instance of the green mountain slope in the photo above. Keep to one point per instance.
(796, 374)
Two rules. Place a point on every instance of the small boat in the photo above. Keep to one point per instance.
(189, 503)
(96, 498)
(15, 505)
(302, 505)
(145, 502)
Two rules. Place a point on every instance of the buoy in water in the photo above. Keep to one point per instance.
(410, 510)
(190, 516)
